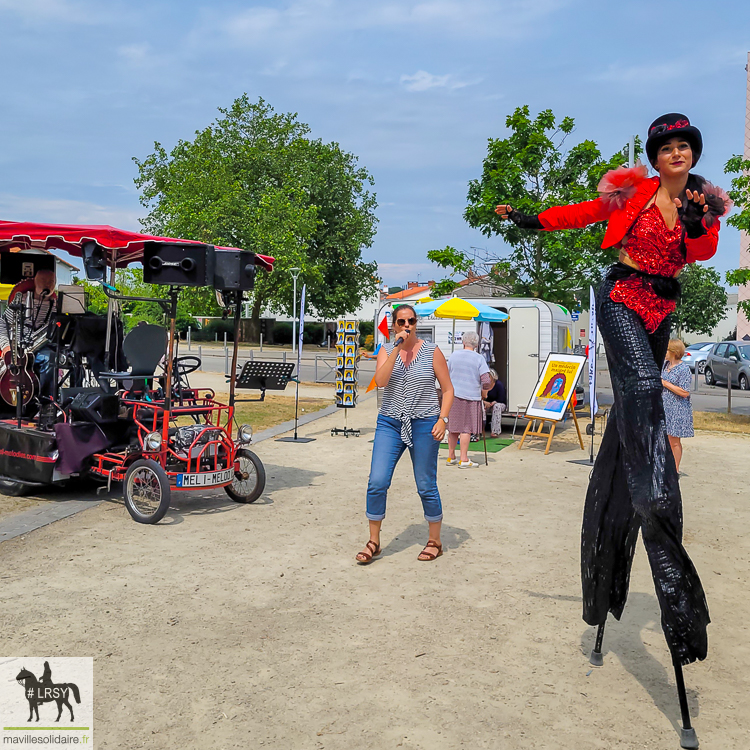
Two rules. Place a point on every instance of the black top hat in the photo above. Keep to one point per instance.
(671, 126)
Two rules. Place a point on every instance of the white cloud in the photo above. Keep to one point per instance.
(255, 23)
(65, 11)
(315, 21)
(63, 211)
(715, 60)
(483, 17)
(638, 73)
(395, 273)
(423, 81)
(135, 54)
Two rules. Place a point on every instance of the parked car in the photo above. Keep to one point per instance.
(729, 359)
(695, 355)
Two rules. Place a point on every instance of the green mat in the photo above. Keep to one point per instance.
(493, 445)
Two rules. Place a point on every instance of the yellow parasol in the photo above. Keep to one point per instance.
(460, 309)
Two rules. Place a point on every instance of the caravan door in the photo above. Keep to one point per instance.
(523, 355)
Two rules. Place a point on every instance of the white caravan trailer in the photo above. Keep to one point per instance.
(534, 329)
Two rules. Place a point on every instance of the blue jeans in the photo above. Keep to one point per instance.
(44, 360)
(386, 452)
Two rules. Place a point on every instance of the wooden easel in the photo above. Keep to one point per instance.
(538, 431)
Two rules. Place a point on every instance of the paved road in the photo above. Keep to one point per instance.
(214, 361)
(705, 398)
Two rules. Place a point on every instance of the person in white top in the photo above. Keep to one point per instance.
(470, 374)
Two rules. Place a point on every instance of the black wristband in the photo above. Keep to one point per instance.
(525, 221)
(692, 219)
(694, 229)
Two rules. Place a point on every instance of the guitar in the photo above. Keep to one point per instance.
(17, 367)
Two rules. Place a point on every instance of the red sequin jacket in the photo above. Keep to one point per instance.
(625, 194)
(621, 219)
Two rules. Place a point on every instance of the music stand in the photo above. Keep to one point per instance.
(262, 376)
(273, 376)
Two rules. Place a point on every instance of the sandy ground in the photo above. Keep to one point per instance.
(246, 626)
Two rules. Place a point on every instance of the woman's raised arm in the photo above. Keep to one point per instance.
(574, 216)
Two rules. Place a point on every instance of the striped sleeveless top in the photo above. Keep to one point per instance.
(411, 393)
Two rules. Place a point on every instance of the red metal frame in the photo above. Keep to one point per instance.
(151, 416)
(121, 248)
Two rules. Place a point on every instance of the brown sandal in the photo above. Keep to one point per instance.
(430, 556)
(374, 552)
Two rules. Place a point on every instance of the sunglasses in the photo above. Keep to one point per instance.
(403, 321)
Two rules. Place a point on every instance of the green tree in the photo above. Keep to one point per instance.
(703, 303)
(740, 194)
(456, 262)
(533, 169)
(129, 282)
(254, 179)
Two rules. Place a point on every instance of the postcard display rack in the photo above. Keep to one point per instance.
(347, 367)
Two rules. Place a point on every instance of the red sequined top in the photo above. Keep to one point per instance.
(657, 250)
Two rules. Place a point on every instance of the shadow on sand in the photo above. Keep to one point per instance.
(212, 502)
(624, 639)
(415, 535)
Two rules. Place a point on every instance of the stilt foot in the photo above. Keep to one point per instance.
(596, 659)
(688, 738)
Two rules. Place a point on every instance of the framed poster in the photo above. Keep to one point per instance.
(555, 386)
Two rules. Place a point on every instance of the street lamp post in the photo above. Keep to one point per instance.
(295, 273)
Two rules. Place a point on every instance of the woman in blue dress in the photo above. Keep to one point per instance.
(676, 379)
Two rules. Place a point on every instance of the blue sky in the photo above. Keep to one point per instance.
(413, 88)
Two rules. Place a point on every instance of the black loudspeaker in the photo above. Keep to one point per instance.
(94, 262)
(235, 270)
(15, 267)
(94, 406)
(171, 263)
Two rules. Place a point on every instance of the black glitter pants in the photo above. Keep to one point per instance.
(633, 486)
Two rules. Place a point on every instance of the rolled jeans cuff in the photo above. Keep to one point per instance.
(373, 517)
(431, 519)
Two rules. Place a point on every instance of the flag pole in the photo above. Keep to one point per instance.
(593, 406)
(296, 439)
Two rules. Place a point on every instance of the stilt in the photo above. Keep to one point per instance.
(596, 655)
(688, 738)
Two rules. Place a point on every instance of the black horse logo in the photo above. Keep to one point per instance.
(45, 691)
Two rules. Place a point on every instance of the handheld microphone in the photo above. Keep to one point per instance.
(407, 331)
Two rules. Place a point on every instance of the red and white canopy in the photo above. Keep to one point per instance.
(119, 244)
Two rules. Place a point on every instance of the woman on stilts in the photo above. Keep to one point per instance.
(659, 224)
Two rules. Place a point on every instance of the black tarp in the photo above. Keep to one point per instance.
(26, 454)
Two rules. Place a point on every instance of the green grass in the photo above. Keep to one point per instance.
(721, 422)
(493, 445)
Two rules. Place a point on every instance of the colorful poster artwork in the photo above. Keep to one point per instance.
(555, 386)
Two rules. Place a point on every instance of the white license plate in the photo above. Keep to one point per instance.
(208, 479)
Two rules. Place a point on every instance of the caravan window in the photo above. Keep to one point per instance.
(426, 334)
(562, 340)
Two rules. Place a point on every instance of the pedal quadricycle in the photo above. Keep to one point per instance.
(107, 411)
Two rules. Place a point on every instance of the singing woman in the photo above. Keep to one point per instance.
(411, 417)
(660, 224)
